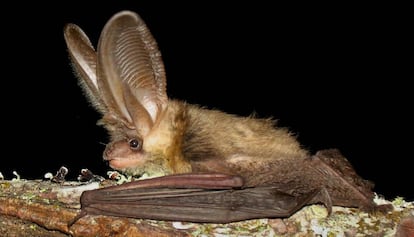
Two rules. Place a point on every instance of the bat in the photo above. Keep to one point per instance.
(153, 135)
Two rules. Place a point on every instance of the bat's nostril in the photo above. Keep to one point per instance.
(107, 153)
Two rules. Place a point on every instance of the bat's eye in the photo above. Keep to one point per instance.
(135, 144)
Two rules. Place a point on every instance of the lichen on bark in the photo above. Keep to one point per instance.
(44, 208)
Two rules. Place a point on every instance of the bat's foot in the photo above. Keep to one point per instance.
(322, 196)
(374, 208)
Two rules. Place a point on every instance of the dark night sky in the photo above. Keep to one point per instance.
(338, 78)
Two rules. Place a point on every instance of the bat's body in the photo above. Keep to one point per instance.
(201, 140)
(154, 135)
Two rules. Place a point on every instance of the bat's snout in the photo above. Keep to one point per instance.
(120, 155)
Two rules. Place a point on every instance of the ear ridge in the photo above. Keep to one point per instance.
(84, 60)
(128, 57)
(141, 118)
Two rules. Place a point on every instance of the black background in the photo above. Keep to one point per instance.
(337, 76)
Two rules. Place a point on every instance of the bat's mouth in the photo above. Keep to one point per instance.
(123, 163)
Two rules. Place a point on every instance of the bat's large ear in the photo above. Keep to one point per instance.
(131, 72)
(83, 57)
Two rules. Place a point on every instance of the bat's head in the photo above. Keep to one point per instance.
(154, 153)
(125, 81)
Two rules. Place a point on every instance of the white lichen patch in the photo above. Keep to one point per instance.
(400, 204)
(73, 192)
(182, 226)
(121, 178)
(259, 227)
(17, 176)
(48, 176)
(380, 200)
(118, 177)
(334, 224)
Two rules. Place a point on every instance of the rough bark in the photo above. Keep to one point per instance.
(44, 208)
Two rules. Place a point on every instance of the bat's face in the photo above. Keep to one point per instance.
(126, 149)
(129, 157)
(157, 153)
(124, 154)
